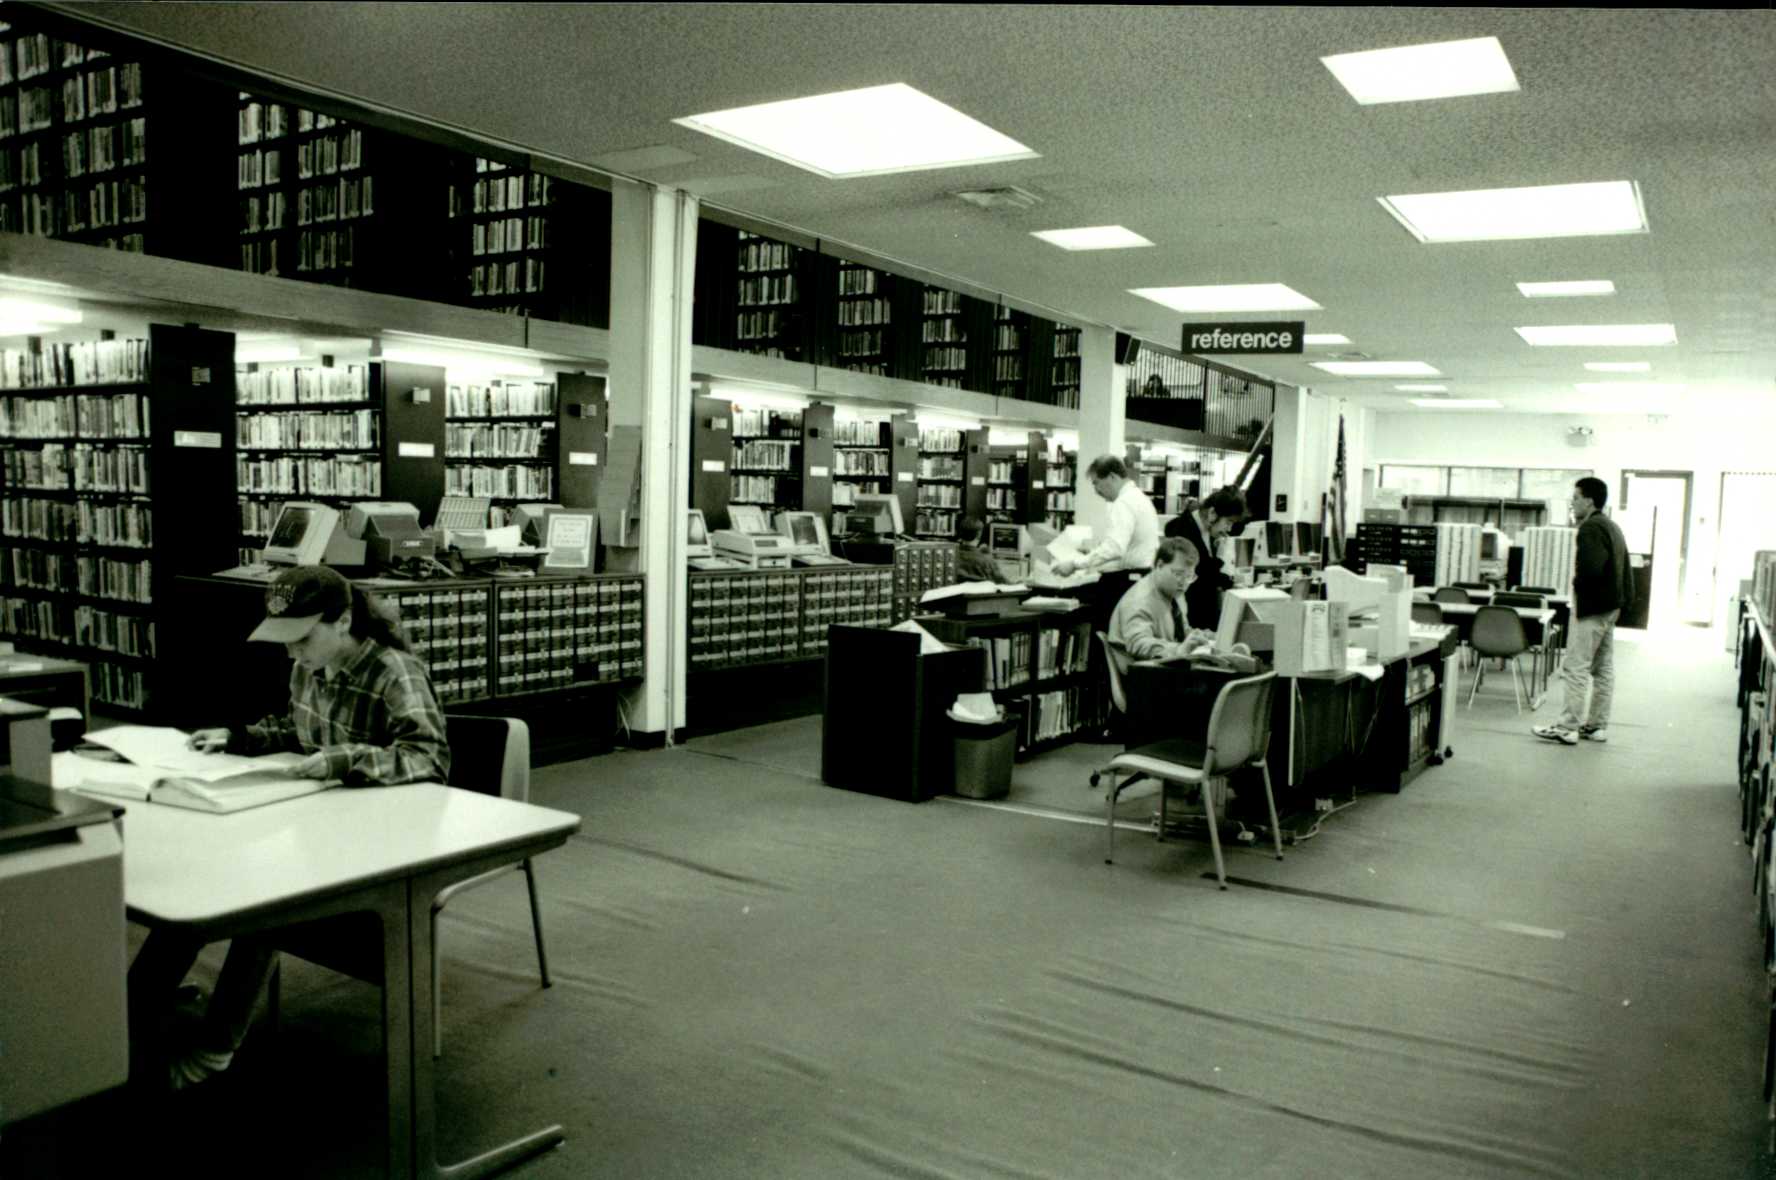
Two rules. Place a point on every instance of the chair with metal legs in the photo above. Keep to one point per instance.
(1238, 737)
(1498, 634)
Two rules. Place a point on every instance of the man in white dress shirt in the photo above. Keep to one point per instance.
(1132, 536)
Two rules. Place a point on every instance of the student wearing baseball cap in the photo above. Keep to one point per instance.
(362, 710)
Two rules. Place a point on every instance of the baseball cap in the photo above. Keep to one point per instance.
(299, 598)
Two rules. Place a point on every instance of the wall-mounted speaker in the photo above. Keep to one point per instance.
(1127, 348)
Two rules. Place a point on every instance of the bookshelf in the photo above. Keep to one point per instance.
(862, 452)
(1038, 667)
(944, 337)
(99, 438)
(942, 480)
(765, 462)
(501, 440)
(1017, 478)
(329, 201)
(775, 458)
(769, 280)
(1060, 487)
(1063, 368)
(1011, 349)
(525, 243)
(864, 339)
(78, 161)
(335, 434)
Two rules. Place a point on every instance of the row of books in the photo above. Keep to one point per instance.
(761, 254)
(497, 441)
(941, 302)
(860, 432)
(260, 214)
(858, 280)
(941, 440)
(1010, 658)
(940, 495)
(101, 92)
(860, 463)
(340, 475)
(1008, 368)
(325, 249)
(769, 454)
(93, 416)
(756, 489)
(759, 423)
(38, 619)
(946, 360)
(500, 399)
(929, 523)
(260, 257)
(865, 343)
(1062, 651)
(767, 290)
(1066, 342)
(856, 312)
(40, 569)
(335, 200)
(125, 581)
(37, 54)
(255, 169)
(509, 277)
(263, 120)
(1001, 499)
(103, 204)
(942, 332)
(1007, 337)
(510, 234)
(123, 523)
(1049, 716)
(513, 191)
(761, 325)
(84, 468)
(130, 635)
(1000, 470)
(524, 483)
(96, 149)
(301, 385)
(1060, 501)
(1763, 584)
(330, 153)
(351, 430)
(113, 684)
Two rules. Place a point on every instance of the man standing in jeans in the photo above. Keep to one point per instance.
(1602, 587)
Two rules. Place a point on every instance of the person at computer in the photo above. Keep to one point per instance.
(973, 564)
(1131, 538)
(1203, 523)
(362, 709)
(1149, 622)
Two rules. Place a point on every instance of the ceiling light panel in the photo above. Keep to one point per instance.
(1508, 214)
(1618, 366)
(869, 132)
(1228, 298)
(1630, 387)
(1458, 403)
(1414, 73)
(1568, 289)
(1092, 237)
(1422, 388)
(1377, 368)
(1598, 335)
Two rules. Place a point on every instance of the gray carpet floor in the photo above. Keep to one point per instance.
(1536, 961)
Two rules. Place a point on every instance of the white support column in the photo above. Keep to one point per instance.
(1103, 420)
(653, 261)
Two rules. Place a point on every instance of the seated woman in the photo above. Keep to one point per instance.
(362, 709)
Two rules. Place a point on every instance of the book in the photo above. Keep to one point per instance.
(160, 768)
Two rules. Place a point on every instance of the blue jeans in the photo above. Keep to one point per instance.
(1589, 667)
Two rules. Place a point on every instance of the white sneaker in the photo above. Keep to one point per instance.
(1557, 733)
(1594, 733)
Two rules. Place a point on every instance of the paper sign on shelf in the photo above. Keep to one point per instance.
(208, 439)
(979, 481)
(818, 472)
(416, 451)
(714, 465)
(582, 458)
(905, 477)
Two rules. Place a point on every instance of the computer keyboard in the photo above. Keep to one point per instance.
(256, 572)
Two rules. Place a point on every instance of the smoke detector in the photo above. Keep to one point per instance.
(1008, 197)
(1580, 436)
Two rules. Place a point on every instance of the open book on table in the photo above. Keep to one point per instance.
(161, 769)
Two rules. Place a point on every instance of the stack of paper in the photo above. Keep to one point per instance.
(161, 767)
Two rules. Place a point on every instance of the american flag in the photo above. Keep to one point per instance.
(1337, 529)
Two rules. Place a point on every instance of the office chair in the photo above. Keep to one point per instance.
(1118, 698)
(1427, 612)
(1498, 634)
(1453, 594)
(1238, 736)
(1482, 586)
(1544, 590)
(489, 755)
(1543, 651)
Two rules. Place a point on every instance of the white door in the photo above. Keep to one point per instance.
(1659, 505)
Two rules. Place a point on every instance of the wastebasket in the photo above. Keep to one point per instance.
(983, 758)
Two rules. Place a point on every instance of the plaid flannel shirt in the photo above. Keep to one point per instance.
(376, 720)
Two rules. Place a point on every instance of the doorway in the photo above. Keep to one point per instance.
(1654, 516)
(1745, 527)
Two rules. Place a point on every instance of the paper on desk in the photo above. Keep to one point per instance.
(966, 589)
(1356, 659)
(929, 644)
(1070, 545)
(163, 748)
(1043, 580)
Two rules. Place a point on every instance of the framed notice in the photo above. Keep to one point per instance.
(571, 539)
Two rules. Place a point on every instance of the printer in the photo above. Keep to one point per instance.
(750, 540)
(390, 532)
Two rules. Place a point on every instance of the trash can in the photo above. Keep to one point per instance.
(983, 758)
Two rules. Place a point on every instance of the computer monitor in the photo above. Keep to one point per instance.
(300, 534)
(1279, 538)
(1359, 593)
(1307, 538)
(697, 535)
(805, 530)
(747, 518)
(381, 518)
(1495, 546)
(1007, 540)
(1245, 552)
(881, 508)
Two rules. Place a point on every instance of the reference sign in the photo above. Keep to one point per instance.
(1200, 339)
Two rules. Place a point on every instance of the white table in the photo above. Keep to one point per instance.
(388, 850)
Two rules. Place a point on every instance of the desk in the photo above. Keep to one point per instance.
(47, 682)
(386, 850)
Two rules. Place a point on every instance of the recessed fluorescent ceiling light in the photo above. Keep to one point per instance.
(1629, 387)
(1458, 403)
(1411, 73)
(1092, 237)
(1231, 297)
(1500, 214)
(1422, 388)
(1377, 368)
(867, 132)
(1565, 289)
(1618, 366)
(1589, 335)
(1325, 338)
